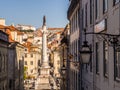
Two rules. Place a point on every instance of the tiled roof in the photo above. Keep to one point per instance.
(10, 36)
(55, 29)
(8, 29)
(2, 27)
(38, 33)
(58, 32)
(19, 33)
(12, 28)
(28, 45)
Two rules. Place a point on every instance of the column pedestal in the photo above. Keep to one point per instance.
(44, 78)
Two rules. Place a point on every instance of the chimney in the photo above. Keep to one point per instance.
(2, 21)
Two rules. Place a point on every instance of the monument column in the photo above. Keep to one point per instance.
(44, 78)
(45, 62)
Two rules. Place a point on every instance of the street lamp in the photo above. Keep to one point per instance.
(63, 72)
(85, 52)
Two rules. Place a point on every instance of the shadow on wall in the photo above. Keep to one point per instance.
(15, 66)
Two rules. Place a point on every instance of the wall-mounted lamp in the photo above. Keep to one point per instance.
(86, 51)
(63, 70)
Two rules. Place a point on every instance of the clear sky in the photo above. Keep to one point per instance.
(31, 12)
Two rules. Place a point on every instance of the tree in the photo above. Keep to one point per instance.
(25, 74)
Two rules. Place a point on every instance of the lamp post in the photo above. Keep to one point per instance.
(63, 71)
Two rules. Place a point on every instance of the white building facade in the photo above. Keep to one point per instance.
(25, 27)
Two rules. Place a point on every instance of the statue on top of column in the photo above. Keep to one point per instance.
(44, 20)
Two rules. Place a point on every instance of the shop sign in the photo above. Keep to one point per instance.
(100, 26)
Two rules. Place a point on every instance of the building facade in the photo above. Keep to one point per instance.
(3, 60)
(32, 59)
(64, 65)
(2, 21)
(73, 17)
(19, 71)
(16, 59)
(54, 41)
(25, 27)
(101, 16)
(15, 63)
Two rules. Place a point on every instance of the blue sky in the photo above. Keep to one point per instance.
(31, 12)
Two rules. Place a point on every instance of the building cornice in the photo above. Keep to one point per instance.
(72, 7)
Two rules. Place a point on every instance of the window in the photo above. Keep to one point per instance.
(86, 14)
(77, 49)
(10, 83)
(96, 8)
(31, 62)
(38, 62)
(74, 23)
(25, 62)
(71, 23)
(4, 63)
(70, 27)
(115, 2)
(25, 54)
(91, 12)
(105, 6)
(105, 58)
(31, 71)
(76, 19)
(91, 59)
(82, 19)
(58, 62)
(25, 49)
(117, 64)
(97, 58)
(31, 55)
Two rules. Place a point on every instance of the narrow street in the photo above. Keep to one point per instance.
(60, 45)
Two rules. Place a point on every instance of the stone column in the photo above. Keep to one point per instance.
(45, 61)
(44, 80)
